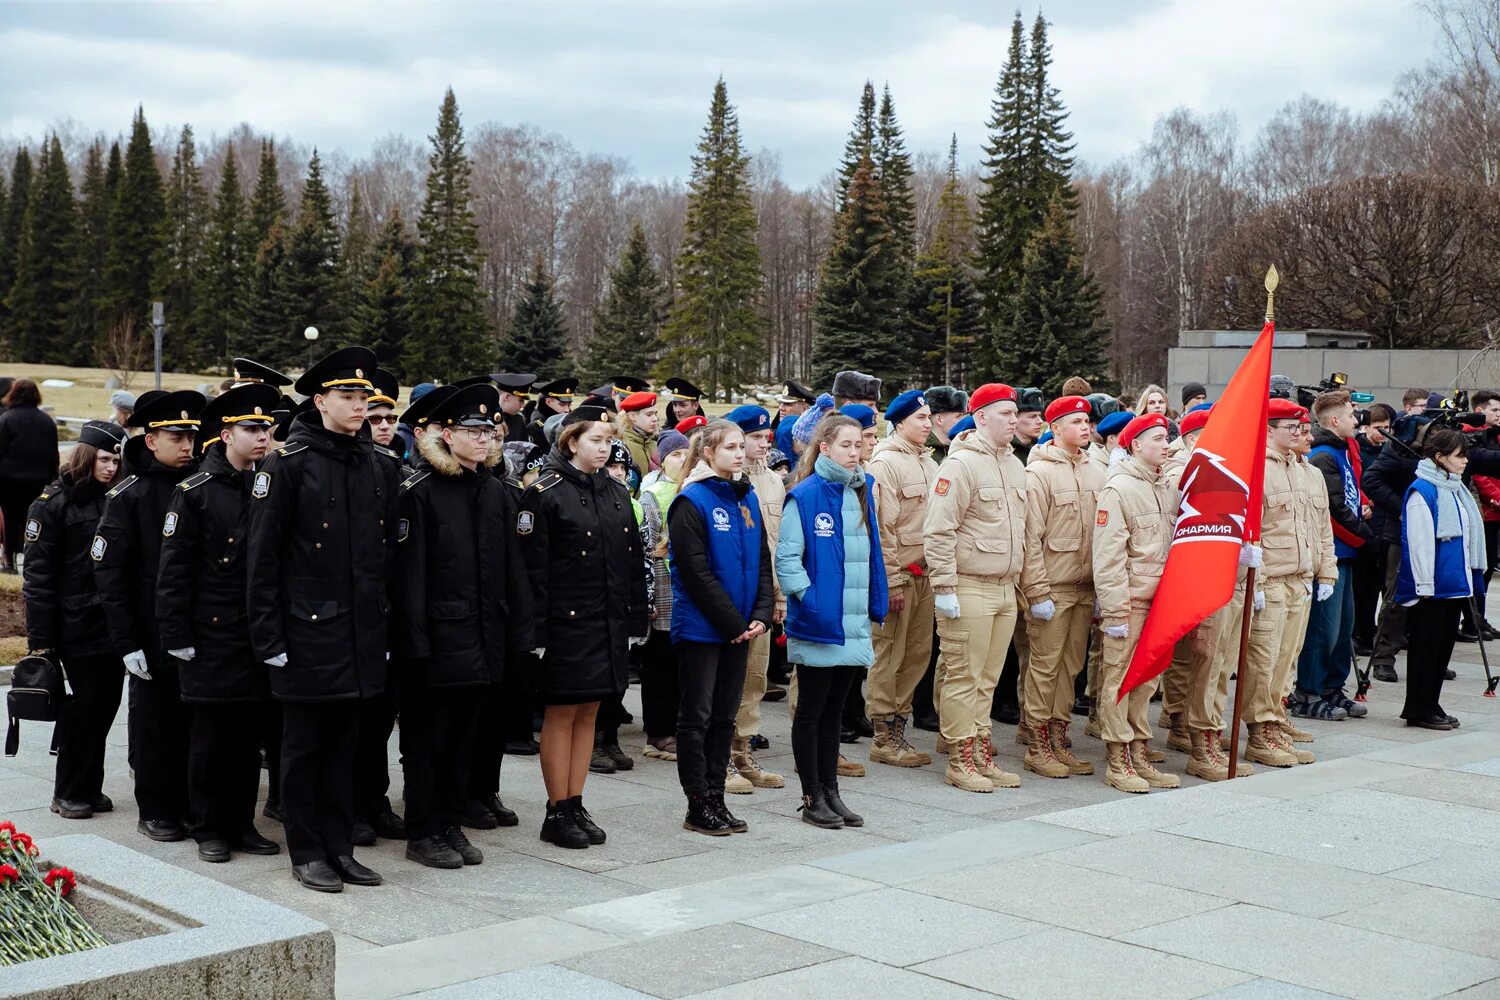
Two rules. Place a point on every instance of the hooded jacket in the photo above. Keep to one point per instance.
(1132, 533)
(903, 474)
(976, 514)
(1062, 500)
(1330, 456)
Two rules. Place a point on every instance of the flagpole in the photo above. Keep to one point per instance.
(1272, 279)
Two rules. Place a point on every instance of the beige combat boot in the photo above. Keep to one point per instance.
(1263, 749)
(850, 768)
(898, 732)
(1041, 757)
(1147, 753)
(1091, 728)
(745, 763)
(1278, 732)
(963, 768)
(1178, 738)
(886, 747)
(1062, 749)
(1294, 734)
(736, 783)
(1023, 734)
(985, 761)
(942, 746)
(1141, 759)
(1202, 763)
(1167, 720)
(1242, 768)
(1119, 772)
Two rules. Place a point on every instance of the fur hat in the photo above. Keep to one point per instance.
(946, 399)
(856, 385)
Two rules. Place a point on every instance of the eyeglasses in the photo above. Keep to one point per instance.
(478, 433)
(382, 418)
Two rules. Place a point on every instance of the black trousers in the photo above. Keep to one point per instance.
(1492, 553)
(712, 678)
(1391, 631)
(317, 777)
(159, 725)
(83, 727)
(1432, 625)
(372, 763)
(1369, 582)
(492, 728)
(223, 769)
(660, 691)
(16, 496)
(815, 728)
(439, 725)
(270, 742)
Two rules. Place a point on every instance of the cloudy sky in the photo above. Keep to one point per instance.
(632, 77)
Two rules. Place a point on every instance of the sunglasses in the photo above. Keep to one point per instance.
(382, 418)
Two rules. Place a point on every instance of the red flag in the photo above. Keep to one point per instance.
(1222, 487)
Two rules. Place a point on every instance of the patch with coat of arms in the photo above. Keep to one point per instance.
(262, 485)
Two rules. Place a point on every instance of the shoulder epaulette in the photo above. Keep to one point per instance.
(196, 479)
(129, 482)
(514, 481)
(291, 449)
(415, 478)
(546, 481)
(381, 449)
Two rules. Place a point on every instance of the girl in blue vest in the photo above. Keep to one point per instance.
(1442, 563)
(828, 560)
(722, 597)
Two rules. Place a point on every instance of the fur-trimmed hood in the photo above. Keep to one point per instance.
(434, 449)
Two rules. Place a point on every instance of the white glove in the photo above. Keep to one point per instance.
(184, 654)
(637, 641)
(1044, 611)
(1260, 600)
(279, 660)
(136, 664)
(1117, 631)
(1325, 591)
(946, 605)
(539, 651)
(1250, 556)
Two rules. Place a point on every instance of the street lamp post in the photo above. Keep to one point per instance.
(158, 327)
(311, 333)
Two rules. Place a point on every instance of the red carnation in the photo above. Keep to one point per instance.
(63, 876)
(23, 841)
(915, 570)
(8, 873)
(6, 826)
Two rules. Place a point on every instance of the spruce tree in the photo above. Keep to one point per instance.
(11, 224)
(311, 278)
(536, 339)
(893, 167)
(135, 240)
(626, 327)
(1050, 144)
(450, 336)
(270, 306)
(1005, 219)
(179, 269)
(714, 330)
(382, 318)
(268, 203)
(860, 144)
(91, 240)
(41, 299)
(944, 311)
(359, 261)
(224, 298)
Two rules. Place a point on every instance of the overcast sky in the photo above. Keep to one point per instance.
(633, 78)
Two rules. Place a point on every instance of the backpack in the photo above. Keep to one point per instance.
(37, 689)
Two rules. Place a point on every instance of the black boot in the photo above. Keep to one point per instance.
(363, 834)
(849, 816)
(477, 817)
(434, 852)
(503, 816)
(622, 760)
(1386, 672)
(815, 810)
(702, 817)
(454, 835)
(561, 830)
(584, 821)
(388, 826)
(735, 824)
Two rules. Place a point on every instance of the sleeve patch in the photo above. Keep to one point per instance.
(940, 488)
(169, 524)
(524, 522)
(403, 529)
(262, 486)
(1102, 518)
(33, 529)
(96, 551)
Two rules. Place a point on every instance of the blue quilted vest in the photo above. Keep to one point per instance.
(733, 529)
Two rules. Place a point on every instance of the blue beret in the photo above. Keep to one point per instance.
(905, 405)
(965, 423)
(1044, 438)
(750, 418)
(1202, 406)
(1114, 423)
(859, 411)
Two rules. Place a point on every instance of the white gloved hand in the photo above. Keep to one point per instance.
(1117, 631)
(539, 651)
(1044, 611)
(1260, 600)
(279, 660)
(136, 663)
(946, 605)
(1325, 591)
(1250, 556)
(637, 640)
(187, 653)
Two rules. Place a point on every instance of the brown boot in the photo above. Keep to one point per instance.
(1091, 728)
(1179, 738)
(898, 730)
(1294, 734)
(963, 770)
(736, 783)
(886, 748)
(850, 768)
(943, 746)
(985, 762)
(744, 762)
(1201, 762)
(1168, 720)
(1119, 772)
(1147, 753)
(1263, 749)
(1140, 757)
(1041, 758)
(1278, 732)
(1062, 749)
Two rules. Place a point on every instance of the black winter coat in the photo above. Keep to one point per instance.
(63, 612)
(323, 513)
(28, 446)
(127, 552)
(588, 578)
(1385, 482)
(462, 587)
(1368, 453)
(200, 587)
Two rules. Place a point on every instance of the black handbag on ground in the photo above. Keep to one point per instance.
(37, 690)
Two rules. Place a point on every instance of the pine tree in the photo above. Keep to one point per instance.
(268, 203)
(536, 338)
(1050, 144)
(224, 299)
(382, 319)
(450, 336)
(135, 232)
(714, 328)
(11, 224)
(270, 304)
(91, 250)
(944, 310)
(359, 261)
(311, 278)
(856, 327)
(179, 269)
(860, 144)
(893, 167)
(41, 299)
(1052, 329)
(627, 325)
(1005, 220)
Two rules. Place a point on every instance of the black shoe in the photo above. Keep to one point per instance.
(215, 852)
(1006, 714)
(103, 804)
(1082, 705)
(849, 816)
(522, 748)
(251, 842)
(860, 725)
(352, 872)
(735, 824)
(620, 757)
(318, 876)
(584, 821)
(702, 817)
(926, 721)
(1455, 723)
(434, 852)
(601, 762)
(161, 830)
(1489, 631)
(814, 810)
(1449, 675)
(1439, 722)
(477, 817)
(503, 816)
(759, 742)
(362, 835)
(272, 810)
(561, 830)
(1386, 672)
(1363, 649)
(848, 736)
(1467, 635)
(471, 855)
(389, 826)
(773, 692)
(68, 809)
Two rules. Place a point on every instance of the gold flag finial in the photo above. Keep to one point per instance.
(1272, 280)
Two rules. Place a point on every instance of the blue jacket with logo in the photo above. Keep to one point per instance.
(719, 563)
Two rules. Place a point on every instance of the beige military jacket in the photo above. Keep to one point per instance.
(1062, 498)
(1132, 533)
(770, 491)
(903, 474)
(976, 514)
(1287, 545)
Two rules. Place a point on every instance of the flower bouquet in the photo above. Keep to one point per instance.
(37, 920)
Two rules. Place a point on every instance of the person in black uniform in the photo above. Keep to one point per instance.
(552, 398)
(126, 553)
(380, 414)
(247, 372)
(515, 392)
(200, 604)
(64, 618)
(322, 533)
(588, 577)
(683, 401)
(464, 600)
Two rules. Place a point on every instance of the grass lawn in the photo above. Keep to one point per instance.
(87, 397)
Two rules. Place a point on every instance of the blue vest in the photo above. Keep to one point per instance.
(819, 615)
(1341, 548)
(1451, 575)
(733, 529)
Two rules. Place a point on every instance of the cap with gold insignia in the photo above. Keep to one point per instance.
(469, 406)
(579, 414)
(168, 411)
(515, 383)
(345, 368)
(683, 391)
(420, 412)
(102, 435)
(626, 384)
(562, 388)
(387, 389)
(796, 392)
(246, 370)
(250, 405)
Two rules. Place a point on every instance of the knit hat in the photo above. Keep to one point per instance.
(802, 430)
(856, 385)
(669, 442)
(946, 399)
(904, 405)
(1192, 390)
(859, 411)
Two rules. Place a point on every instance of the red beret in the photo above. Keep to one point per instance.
(1140, 425)
(1283, 409)
(691, 424)
(1303, 416)
(1193, 420)
(1065, 405)
(638, 401)
(993, 392)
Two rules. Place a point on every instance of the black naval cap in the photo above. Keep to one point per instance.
(246, 370)
(627, 384)
(420, 412)
(515, 383)
(797, 392)
(250, 405)
(589, 413)
(387, 389)
(346, 368)
(469, 406)
(168, 411)
(683, 391)
(103, 435)
(562, 388)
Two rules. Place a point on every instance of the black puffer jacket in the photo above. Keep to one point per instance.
(28, 446)
(63, 612)
(588, 579)
(323, 513)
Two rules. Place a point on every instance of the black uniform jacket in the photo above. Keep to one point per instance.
(63, 612)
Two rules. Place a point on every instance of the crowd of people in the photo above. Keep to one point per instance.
(284, 578)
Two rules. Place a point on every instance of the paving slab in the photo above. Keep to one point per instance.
(1447, 751)
(540, 982)
(898, 863)
(845, 979)
(1268, 989)
(1170, 807)
(1293, 783)
(1410, 817)
(1463, 869)
(1455, 920)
